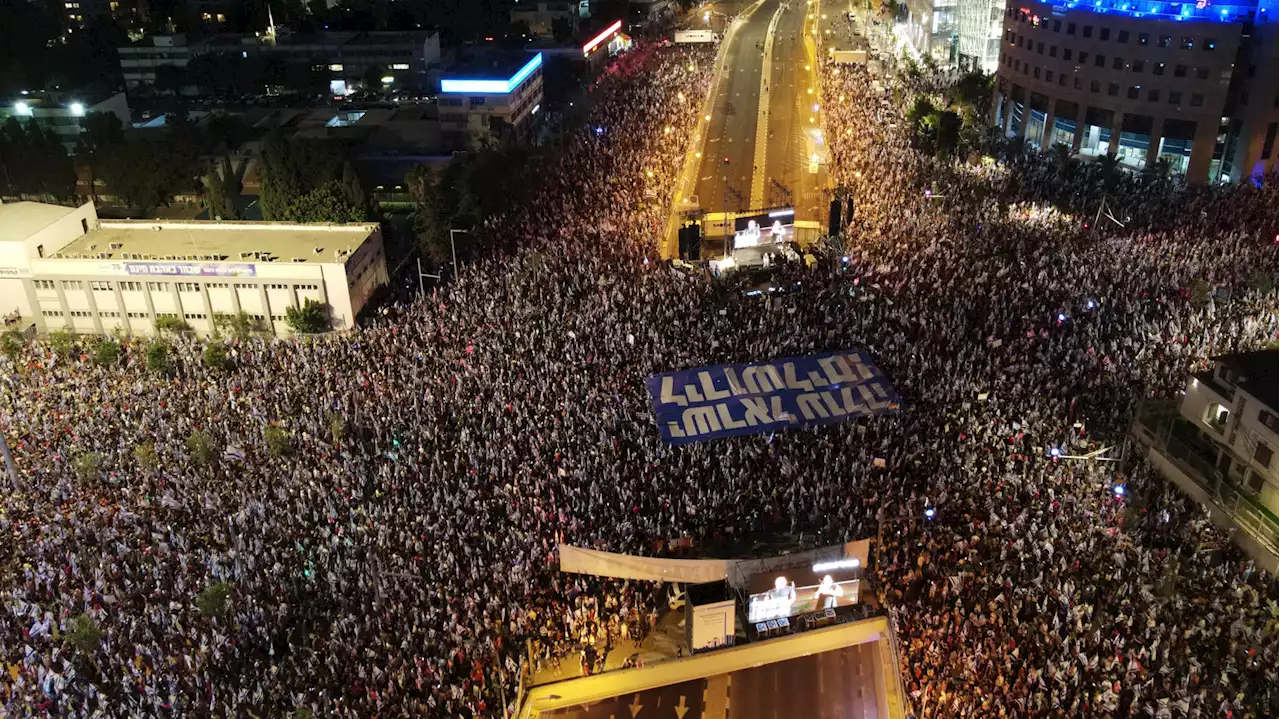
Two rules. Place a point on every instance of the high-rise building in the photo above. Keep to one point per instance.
(1192, 84)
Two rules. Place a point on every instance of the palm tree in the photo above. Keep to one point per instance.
(1060, 153)
(1109, 167)
(1015, 147)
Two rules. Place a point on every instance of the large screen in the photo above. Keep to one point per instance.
(799, 590)
(767, 228)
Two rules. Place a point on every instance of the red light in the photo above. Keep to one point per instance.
(489, 39)
(593, 42)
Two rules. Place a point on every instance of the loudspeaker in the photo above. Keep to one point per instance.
(833, 219)
(690, 242)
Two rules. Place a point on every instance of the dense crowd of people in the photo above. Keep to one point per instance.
(396, 557)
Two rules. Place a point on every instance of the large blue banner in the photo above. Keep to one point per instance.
(726, 400)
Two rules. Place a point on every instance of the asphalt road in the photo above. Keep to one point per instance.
(722, 186)
(732, 133)
(837, 684)
(832, 685)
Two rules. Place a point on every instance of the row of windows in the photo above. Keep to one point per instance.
(1117, 63)
(131, 286)
(1113, 89)
(1185, 42)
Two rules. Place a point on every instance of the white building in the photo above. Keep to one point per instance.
(63, 111)
(1219, 445)
(62, 267)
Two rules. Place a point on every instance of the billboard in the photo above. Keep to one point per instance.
(765, 228)
(800, 590)
(191, 269)
(694, 36)
(727, 400)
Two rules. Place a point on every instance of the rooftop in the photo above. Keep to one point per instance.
(20, 220)
(1256, 373)
(228, 241)
(491, 72)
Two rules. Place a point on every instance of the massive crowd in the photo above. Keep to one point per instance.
(398, 559)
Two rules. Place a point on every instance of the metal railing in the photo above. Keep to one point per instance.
(1155, 426)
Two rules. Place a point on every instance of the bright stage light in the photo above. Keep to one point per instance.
(841, 564)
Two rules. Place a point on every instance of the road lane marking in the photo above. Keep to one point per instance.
(762, 115)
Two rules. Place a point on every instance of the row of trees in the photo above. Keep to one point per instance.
(959, 124)
(310, 182)
(471, 188)
(33, 162)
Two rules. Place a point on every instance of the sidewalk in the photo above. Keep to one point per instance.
(659, 646)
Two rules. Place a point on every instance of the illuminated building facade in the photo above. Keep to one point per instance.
(481, 100)
(62, 112)
(1192, 85)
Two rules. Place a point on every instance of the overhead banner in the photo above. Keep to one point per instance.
(727, 400)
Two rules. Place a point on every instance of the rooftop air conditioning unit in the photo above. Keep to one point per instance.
(116, 245)
(157, 228)
(299, 259)
(104, 255)
(245, 255)
(318, 250)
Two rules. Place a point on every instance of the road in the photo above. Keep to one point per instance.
(783, 178)
(837, 684)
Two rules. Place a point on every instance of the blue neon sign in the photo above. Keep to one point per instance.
(493, 87)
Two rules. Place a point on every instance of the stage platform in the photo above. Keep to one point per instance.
(849, 671)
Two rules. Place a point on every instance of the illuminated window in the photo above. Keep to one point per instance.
(1165, 41)
(400, 66)
(337, 67)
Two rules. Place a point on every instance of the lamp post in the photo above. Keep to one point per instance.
(9, 467)
(454, 247)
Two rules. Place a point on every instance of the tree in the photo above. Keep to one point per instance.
(158, 358)
(215, 357)
(222, 187)
(311, 318)
(353, 191)
(145, 455)
(279, 443)
(140, 175)
(373, 77)
(11, 343)
(200, 446)
(430, 217)
(170, 79)
(972, 92)
(88, 466)
(281, 184)
(561, 30)
(33, 161)
(62, 342)
(106, 352)
(212, 600)
(83, 634)
(947, 132)
(326, 203)
(171, 324)
(101, 133)
(1109, 168)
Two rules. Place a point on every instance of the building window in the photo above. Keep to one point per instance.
(1019, 41)
(1157, 69)
(1053, 51)
(1175, 97)
(399, 66)
(1117, 63)
(1057, 25)
(477, 101)
(1037, 73)
(1071, 28)
(1124, 36)
(1268, 420)
(1197, 99)
(1202, 73)
(1262, 454)
(1144, 38)
(1048, 75)
(1104, 33)
(1084, 57)
(1040, 48)
(1139, 65)
(1153, 96)
(1133, 92)
(1255, 482)
(1165, 41)
(1099, 60)
(1179, 70)
(1088, 31)
(1063, 81)
(1094, 86)
(100, 286)
(43, 284)
(1208, 44)
(1113, 89)
(1217, 417)
(1187, 42)
(1066, 54)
